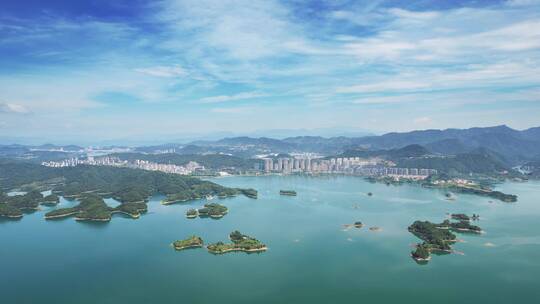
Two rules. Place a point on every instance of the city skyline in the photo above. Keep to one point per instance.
(124, 70)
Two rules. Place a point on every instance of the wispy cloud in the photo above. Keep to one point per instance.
(332, 63)
(225, 98)
(164, 71)
(13, 108)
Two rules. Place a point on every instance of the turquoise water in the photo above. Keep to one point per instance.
(311, 259)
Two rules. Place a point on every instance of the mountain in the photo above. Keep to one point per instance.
(513, 145)
(447, 146)
(210, 161)
(464, 163)
(392, 154)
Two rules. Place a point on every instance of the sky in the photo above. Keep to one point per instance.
(104, 70)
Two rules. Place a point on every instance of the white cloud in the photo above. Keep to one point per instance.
(385, 86)
(163, 71)
(225, 98)
(13, 108)
(422, 120)
(237, 110)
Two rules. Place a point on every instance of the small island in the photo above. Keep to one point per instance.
(211, 192)
(438, 238)
(251, 193)
(370, 194)
(51, 200)
(191, 242)
(240, 242)
(287, 192)
(464, 217)
(192, 213)
(213, 210)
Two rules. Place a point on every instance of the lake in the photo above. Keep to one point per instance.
(311, 258)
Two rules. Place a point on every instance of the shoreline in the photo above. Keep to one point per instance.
(262, 249)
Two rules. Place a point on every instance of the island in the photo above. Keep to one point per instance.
(287, 192)
(213, 210)
(450, 185)
(92, 207)
(89, 185)
(438, 238)
(192, 213)
(15, 206)
(191, 242)
(464, 217)
(508, 198)
(251, 193)
(9, 211)
(240, 242)
(51, 200)
(421, 254)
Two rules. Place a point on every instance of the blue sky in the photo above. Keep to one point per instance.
(134, 69)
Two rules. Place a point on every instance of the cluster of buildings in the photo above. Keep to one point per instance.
(350, 165)
(290, 165)
(186, 169)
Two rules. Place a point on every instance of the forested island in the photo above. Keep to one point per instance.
(240, 242)
(14, 206)
(191, 242)
(438, 238)
(287, 192)
(92, 207)
(213, 210)
(90, 184)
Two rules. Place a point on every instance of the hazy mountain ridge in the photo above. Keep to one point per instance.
(513, 145)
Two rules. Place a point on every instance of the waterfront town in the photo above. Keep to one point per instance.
(186, 169)
(351, 165)
(292, 165)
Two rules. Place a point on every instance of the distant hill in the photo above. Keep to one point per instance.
(513, 145)
(405, 152)
(211, 161)
(478, 162)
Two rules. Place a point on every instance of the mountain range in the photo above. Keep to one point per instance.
(511, 146)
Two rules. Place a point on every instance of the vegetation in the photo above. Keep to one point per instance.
(209, 161)
(438, 237)
(213, 210)
(460, 217)
(129, 186)
(251, 193)
(287, 192)
(465, 226)
(421, 253)
(192, 213)
(240, 242)
(191, 242)
(13, 206)
(51, 200)
(133, 209)
(92, 208)
(509, 198)
(9, 211)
